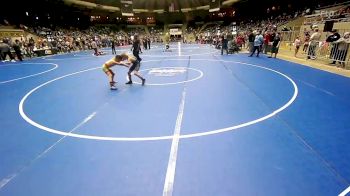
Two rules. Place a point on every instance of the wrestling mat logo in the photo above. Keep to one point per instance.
(167, 71)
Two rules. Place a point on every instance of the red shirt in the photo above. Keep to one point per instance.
(267, 38)
(240, 40)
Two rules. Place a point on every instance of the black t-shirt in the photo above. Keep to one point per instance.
(224, 42)
(16, 47)
(272, 37)
(333, 38)
(136, 45)
(251, 37)
(31, 42)
(276, 40)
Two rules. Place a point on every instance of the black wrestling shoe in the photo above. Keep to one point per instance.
(130, 82)
(143, 82)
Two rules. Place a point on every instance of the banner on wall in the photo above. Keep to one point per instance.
(175, 31)
(126, 7)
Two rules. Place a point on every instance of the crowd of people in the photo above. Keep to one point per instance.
(335, 47)
(61, 40)
(263, 36)
(259, 36)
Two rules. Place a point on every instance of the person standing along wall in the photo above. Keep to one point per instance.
(113, 47)
(306, 42)
(331, 39)
(314, 41)
(297, 44)
(251, 38)
(258, 41)
(266, 41)
(224, 45)
(149, 43)
(17, 48)
(5, 50)
(144, 40)
(341, 53)
(275, 45)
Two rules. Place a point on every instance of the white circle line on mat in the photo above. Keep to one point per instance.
(197, 134)
(173, 83)
(199, 54)
(32, 75)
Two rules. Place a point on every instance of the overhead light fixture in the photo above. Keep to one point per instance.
(214, 10)
(186, 9)
(228, 2)
(159, 11)
(205, 7)
(141, 10)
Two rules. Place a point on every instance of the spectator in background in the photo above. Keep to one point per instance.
(297, 44)
(94, 47)
(251, 38)
(342, 49)
(113, 47)
(224, 44)
(144, 40)
(258, 41)
(5, 50)
(275, 45)
(266, 41)
(335, 36)
(314, 41)
(240, 41)
(272, 36)
(149, 43)
(17, 48)
(306, 42)
(2, 49)
(31, 44)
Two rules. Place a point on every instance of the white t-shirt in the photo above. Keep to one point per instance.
(297, 42)
(315, 36)
(93, 45)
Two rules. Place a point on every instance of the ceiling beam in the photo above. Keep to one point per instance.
(115, 9)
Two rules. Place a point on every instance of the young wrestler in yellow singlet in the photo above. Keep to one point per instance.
(117, 60)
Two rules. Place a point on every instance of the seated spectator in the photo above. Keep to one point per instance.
(342, 49)
(5, 51)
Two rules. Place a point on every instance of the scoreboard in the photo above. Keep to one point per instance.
(214, 5)
(126, 8)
